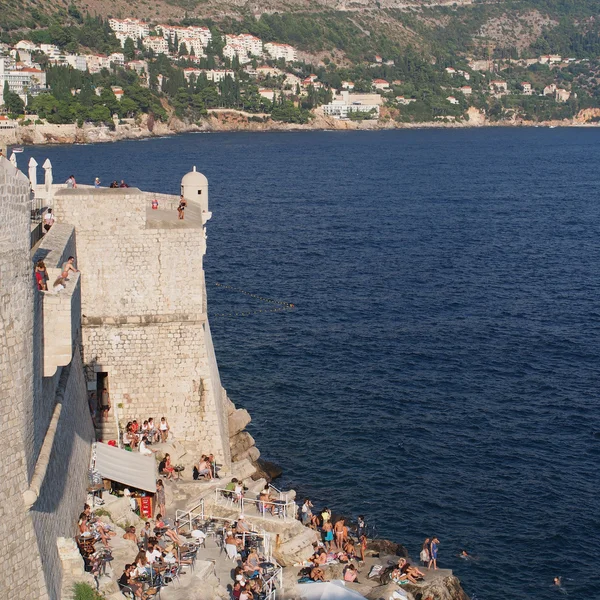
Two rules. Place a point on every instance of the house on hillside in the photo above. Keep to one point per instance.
(467, 90)
(498, 86)
(527, 89)
(452, 100)
(380, 84)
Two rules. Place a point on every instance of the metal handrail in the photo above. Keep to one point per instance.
(282, 495)
(191, 514)
(288, 509)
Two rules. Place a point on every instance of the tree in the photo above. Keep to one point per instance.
(183, 49)
(13, 101)
(129, 49)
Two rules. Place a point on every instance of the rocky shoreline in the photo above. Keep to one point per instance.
(223, 120)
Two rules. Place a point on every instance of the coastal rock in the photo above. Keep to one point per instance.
(446, 588)
(266, 470)
(387, 548)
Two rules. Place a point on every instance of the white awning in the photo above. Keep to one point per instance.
(130, 468)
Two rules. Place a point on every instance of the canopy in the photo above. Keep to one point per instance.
(130, 468)
(329, 590)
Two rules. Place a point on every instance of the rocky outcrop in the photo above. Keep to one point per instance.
(387, 548)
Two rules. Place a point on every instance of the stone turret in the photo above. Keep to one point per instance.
(194, 188)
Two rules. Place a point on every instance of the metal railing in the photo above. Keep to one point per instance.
(282, 509)
(274, 583)
(282, 495)
(186, 517)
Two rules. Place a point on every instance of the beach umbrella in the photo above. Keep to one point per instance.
(13, 159)
(33, 172)
(47, 166)
(327, 590)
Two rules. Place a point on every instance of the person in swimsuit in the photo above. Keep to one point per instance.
(327, 534)
(338, 529)
(68, 267)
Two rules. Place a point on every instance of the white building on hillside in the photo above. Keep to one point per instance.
(156, 43)
(234, 49)
(132, 28)
(97, 62)
(345, 104)
(193, 44)
(285, 51)
(26, 45)
(170, 32)
(24, 82)
(214, 75)
(76, 61)
(250, 43)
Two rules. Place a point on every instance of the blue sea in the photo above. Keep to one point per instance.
(440, 369)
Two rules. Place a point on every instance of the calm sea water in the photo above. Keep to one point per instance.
(440, 371)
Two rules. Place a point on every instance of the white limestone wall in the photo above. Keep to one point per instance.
(22, 575)
(144, 313)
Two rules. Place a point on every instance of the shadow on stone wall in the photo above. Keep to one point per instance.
(63, 491)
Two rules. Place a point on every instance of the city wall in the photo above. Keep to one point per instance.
(136, 313)
(43, 402)
(144, 312)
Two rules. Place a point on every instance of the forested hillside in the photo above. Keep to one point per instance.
(351, 31)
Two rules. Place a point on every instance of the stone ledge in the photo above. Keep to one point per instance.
(143, 319)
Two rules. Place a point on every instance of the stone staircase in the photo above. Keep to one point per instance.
(107, 430)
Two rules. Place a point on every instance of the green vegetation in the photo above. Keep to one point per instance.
(84, 591)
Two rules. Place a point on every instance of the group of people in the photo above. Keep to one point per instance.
(140, 437)
(252, 569)
(162, 554)
(115, 184)
(205, 468)
(42, 277)
(429, 552)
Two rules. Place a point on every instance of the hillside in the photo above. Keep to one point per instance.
(353, 30)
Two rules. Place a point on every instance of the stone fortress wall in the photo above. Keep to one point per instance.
(135, 314)
(46, 421)
(144, 312)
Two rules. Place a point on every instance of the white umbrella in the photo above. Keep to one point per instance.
(47, 166)
(33, 172)
(328, 590)
(13, 159)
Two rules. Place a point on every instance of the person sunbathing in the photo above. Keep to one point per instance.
(350, 574)
(172, 535)
(317, 574)
(349, 549)
(252, 564)
(320, 557)
(406, 567)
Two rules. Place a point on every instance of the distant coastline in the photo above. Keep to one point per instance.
(233, 121)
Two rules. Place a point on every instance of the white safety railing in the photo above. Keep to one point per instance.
(282, 495)
(187, 517)
(271, 509)
(274, 584)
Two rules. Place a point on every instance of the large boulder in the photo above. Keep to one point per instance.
(387, 548)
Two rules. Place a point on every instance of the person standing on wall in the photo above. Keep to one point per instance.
(104, 403)
(48, 220)
(181, 207)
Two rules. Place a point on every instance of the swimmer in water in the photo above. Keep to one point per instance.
(558, 581)
(464, 554)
